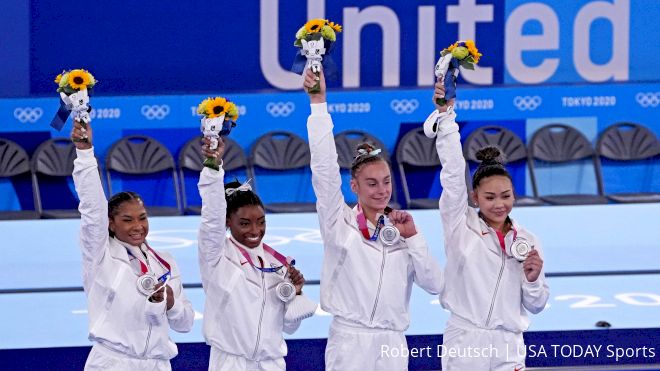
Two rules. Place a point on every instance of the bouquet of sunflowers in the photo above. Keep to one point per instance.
(74, 87)
(315, 40)
(219, 117)
(461, 53)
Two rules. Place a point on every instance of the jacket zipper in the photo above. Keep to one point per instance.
(261, 316)
(380, 283)
(146, 346)
(499, 278)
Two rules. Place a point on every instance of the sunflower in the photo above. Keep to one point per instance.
(58, 78)
(215, 107)
(335, 26)
(232, 111)
(79, 79)
(314, 25)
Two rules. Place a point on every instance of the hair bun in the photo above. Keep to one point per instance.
(367, 147)
(490, 154)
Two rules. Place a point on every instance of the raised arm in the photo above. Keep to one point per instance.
(93, 205)
(326, 178)
(453, 201)
(212, 230)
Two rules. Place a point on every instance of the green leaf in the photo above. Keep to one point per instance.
(297, 43)
(466, 65)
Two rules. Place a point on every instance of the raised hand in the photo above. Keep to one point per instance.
(310, 79)
(81, 136)
(439, 92)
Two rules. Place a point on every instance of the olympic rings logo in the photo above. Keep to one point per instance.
(648, 99)
(527, 103)
(280, 109)
(155, 112)
(28, 114)
(404, 106)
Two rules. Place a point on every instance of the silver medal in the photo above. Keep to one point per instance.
(389, 235)
(146, 284)
(286, 291)
(519, 249)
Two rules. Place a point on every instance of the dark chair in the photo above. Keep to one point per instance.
(191, 158)
(14, 161)
(346, 143)
(139, 155)
(282, 152)
(508, 142)
(53, 158)
(416, 150)
(558, 144)
(629, 143)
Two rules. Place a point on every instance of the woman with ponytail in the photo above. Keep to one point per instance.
(494, 273)
(373, 254)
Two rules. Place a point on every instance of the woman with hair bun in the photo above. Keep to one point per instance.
(494, 273)
(372, 256)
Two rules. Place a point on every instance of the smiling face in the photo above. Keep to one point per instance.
(494, 197)
(130, 224)
(248, 225)
(373, 186)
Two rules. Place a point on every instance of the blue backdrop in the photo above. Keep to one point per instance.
(204, 46)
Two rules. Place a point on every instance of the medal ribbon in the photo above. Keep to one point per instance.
(279, 257)
(362, 223)
(145, 269)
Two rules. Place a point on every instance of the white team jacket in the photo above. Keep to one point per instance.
(361, 281)
(243, 315)
(483, 284)
(120, 317)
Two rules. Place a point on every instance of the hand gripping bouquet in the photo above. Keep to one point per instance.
(75, 88)
(461, 53)
(219, 117)
(315, 40)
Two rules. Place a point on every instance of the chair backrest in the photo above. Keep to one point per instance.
(138, 154)
(280, 150)
(13, 159)
(627, 142)
(507, 141)
(347, 142)
(415, 149)
(559, 143)
(54, 157)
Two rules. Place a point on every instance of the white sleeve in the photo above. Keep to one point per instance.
(326, 178)
(93, 209)
(428, 273)
(453, 201)
(212, 230)
(181, 316)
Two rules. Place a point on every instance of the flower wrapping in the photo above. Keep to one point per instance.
(219, 118)
(316, 40)
(460, 54)
(75, 88)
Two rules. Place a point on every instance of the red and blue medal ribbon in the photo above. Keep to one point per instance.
(362, 224)
(145, 269)
(279, 257)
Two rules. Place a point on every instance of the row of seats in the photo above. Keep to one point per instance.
(283, 151)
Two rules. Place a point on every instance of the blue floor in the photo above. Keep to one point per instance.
(584, 248)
